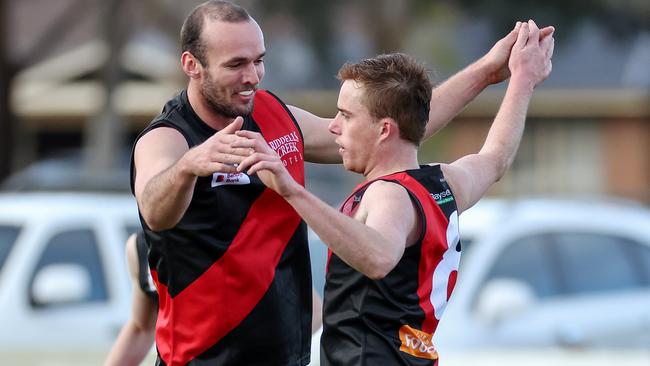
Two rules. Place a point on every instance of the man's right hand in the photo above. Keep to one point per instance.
(216, 154)
(166, 170)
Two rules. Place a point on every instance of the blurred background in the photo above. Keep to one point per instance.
(80, 78)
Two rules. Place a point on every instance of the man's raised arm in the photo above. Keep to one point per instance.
(450, 98)
(447, 100)
(530, 63)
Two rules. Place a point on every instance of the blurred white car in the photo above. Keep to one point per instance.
(64, 286)
(540, 274)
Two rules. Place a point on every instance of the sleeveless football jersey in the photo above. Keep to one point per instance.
(233, 276)
(391, 321)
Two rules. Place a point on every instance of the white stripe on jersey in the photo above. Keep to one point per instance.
(448, 264)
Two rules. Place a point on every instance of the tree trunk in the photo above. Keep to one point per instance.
(6, 115)
(104, 133)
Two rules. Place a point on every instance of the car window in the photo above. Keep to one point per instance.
(77, 247)
(641, 254)
(8, 235)
(528, 260)
(597, 263)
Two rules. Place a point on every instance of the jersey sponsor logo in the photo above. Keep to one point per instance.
(287, 148)
(417, 343)
(220, 179)
(442, 197)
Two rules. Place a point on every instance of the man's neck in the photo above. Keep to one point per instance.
(203, 110)
(397, 158)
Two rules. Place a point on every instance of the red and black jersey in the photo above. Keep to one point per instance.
(233, 276)
(391, 321)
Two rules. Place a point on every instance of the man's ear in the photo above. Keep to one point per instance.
(191, 66)
(388, 128)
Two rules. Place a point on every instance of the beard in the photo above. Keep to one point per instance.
(216, 98)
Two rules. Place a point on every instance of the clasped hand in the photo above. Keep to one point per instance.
(264, 161)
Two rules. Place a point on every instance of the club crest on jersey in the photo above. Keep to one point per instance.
(220, 179)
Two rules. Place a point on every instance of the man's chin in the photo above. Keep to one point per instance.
(347, 166)
(243, 110)
(235, 111)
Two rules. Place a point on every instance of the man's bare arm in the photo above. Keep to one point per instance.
(137, 335)
(372, 242)
(166, 170)
(471, 175)
(163, 188)
(319, 142)
(447, 100)
(451, 97)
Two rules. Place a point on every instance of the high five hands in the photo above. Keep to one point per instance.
(266, 163)
(530, 56)
(495, 62)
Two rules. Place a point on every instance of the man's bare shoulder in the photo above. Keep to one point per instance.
(385, 195)
(160, 136)
(156, 151)
(389, 209)
(162, 143)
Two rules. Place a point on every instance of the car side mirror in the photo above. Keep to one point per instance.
(60, 284)
(502, 298)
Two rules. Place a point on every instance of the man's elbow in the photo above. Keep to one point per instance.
(499, 164)
(380, 269)
(376, 274)
(146, 324)
(501, 167)
(157, 222)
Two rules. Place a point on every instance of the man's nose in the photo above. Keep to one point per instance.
(250, 75)
(334, 125)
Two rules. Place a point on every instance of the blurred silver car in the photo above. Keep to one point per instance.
(551, 273)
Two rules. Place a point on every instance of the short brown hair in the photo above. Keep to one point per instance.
(396, 86)
(193, 26)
